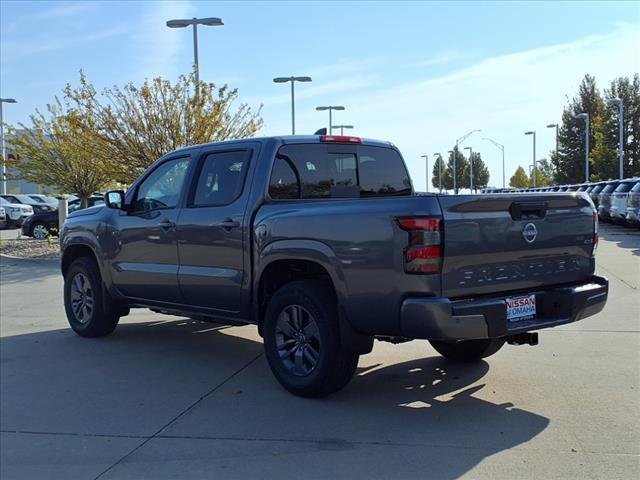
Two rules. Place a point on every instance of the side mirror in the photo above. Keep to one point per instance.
(114, 199)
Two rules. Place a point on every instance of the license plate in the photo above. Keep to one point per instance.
(521, 308)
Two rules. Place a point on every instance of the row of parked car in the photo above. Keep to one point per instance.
(36, 214)
(617, 201)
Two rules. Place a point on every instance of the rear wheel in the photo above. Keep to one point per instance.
(302, 341)
(467, 350)
(39, 231)
(90, 310)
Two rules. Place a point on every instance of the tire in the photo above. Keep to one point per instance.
(96, 315)
(467, 350)
(39, 231)
(316, 331)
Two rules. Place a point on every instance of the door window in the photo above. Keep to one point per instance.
(221, 178)
(162, 188)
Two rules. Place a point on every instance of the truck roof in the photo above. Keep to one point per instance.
(288, 139)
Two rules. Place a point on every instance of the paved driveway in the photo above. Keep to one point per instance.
(171, 398)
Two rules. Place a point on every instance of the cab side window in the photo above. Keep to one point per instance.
(221, 178)
(162, 188)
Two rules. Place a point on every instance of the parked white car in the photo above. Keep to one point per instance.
(619, 199)
(15, 213)
(3, 217)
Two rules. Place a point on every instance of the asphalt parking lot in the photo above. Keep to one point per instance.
(165, 397)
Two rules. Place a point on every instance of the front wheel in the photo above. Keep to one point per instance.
(467, 350)
(302, 341)
(39, 231)
(90, 310)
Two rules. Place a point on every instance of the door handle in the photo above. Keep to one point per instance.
(228, 224)
(167, 225)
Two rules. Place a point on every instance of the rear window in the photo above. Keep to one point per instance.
(596, 189)
(624, 187)
(333, 171)
(636, 188)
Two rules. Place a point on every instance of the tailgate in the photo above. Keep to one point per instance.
(496, 243)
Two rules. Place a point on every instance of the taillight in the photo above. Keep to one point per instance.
(340, 139)
(423, 254)
(596, 236)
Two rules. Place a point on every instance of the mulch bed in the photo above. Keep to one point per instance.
(31, 248)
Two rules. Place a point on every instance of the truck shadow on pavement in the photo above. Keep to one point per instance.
(186, 381)
(624, 237)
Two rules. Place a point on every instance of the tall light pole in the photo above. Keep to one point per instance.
(4, 156)
(426, 158)
(293, 109)
(620, 104)
(470, 168)
(342, 127)
(331, 108)
(532, 132)
(585, 117)
(458, 142)
(182, 23)
(501, 147)
(439, 171)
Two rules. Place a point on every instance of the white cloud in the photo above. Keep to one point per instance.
(14, 51)
(163, 51)
(440, 59)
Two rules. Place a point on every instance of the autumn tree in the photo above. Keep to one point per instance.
(142, 123)
(88, 139)
(60, 152)
(520, 179)
(541, 178)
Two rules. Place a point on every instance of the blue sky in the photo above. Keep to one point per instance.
(419, 74)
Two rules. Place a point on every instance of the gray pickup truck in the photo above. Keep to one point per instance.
(322, 242)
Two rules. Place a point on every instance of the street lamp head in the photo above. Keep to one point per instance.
(8, 100)
(179, 23)
(582, 115)
(552, 125)
(424, 156)
(291, 79)
(614, 101)
(330, 107)
(531, 132)
(210, 21)
(467, 148)
(436, 154)
(342, 126)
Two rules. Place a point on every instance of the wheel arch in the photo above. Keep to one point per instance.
(289, 260)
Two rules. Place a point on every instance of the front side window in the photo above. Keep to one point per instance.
(313, 171)
(221, 178)
(162, 188)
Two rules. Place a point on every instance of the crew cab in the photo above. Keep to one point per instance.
(322, 243)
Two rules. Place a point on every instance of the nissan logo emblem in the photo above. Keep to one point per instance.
(529, 233)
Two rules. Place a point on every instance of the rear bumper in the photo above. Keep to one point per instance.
(440, 318)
